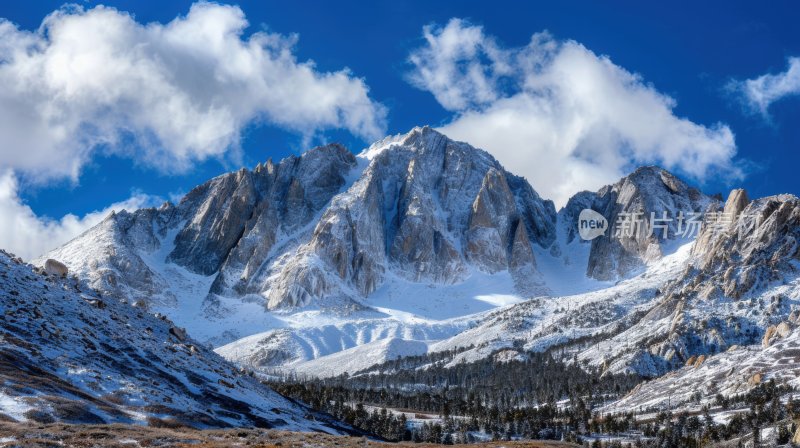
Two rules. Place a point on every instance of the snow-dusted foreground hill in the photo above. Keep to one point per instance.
(71, 355)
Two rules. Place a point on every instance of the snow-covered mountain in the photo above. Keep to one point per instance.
(329, 232)
(328, 224)
(70, 354)
(331, 262)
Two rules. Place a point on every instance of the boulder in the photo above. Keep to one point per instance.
(700, 360)
(765, 341)
(774, 332)
(178, 332)
(54, 267)
(796, 437)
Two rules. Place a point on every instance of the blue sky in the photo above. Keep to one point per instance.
(686, 64)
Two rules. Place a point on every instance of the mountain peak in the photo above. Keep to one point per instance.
(403, 139)
(631, 201)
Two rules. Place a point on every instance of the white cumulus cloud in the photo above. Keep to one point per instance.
(165, 95)
(27, 235)
(759, 93)
(562, 116)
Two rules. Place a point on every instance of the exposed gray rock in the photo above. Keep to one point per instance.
(488, 231)
(569, 214)
(291, 194)
(425, 207)
(760, 244)
(736, 203)
(216, 214)
(721, 218)
(649, 192)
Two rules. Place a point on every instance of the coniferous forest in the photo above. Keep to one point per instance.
(538, 398)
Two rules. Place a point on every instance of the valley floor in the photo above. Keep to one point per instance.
(128, 436)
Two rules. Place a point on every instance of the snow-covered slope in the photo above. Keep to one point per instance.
(360, 357)
(399, 309)
(69, 354)
(581, 321)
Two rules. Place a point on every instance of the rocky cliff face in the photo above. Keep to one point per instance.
(330, 224)
(425, 207)
(225, 228)
(290, 195)
(750, 245)
(630, 206)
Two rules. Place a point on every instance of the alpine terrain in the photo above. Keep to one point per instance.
(417, 266)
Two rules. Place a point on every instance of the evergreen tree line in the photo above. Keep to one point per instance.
(761, 408)
(503, 400)
(536, 380)
(535, 398)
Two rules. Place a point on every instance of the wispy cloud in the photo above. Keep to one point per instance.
(758, 94)
(27, 235)
(559, 114)
(165, 95)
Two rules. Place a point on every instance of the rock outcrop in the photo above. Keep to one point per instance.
(759, 244)
(55, 267)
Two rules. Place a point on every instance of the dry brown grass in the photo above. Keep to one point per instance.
(128, 436)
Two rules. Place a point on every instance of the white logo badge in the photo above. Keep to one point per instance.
(591, 224)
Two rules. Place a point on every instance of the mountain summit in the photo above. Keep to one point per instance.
(328, 224)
